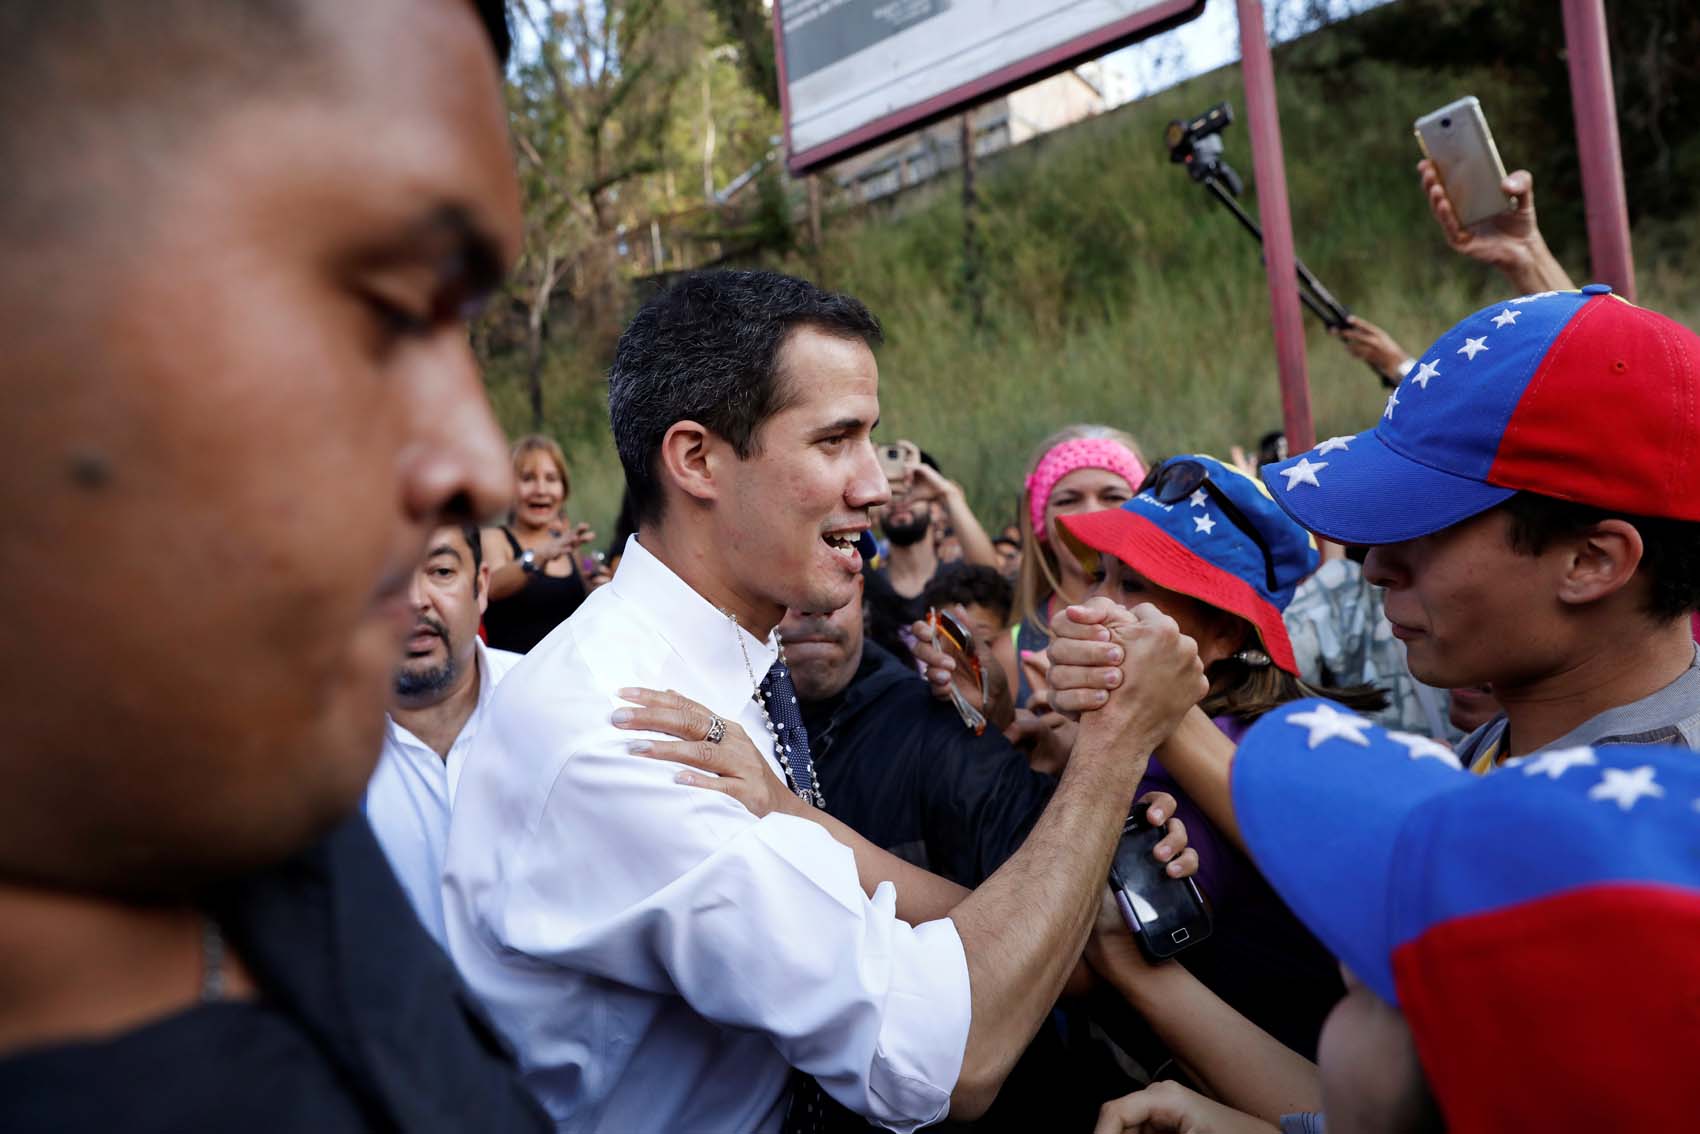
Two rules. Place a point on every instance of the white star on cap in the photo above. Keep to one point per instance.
(1335, 443)
(1326, 722)
(1421, 747)
(1203, 524)
(1473, 347)
(1625, 788)
(1198, 498)
(1559, 761)
(1392, 404)
(1506, 318)
(1424, 372)
(1304, 473)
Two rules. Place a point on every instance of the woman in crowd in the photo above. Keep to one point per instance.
(1081, 468)
(1207, 546)
(536, 580)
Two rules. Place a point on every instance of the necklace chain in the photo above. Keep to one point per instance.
(760, 697)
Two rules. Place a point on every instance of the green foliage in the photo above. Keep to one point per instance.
(1117, 291)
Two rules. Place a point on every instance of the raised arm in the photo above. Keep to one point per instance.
(976, 545)
(1511, 241)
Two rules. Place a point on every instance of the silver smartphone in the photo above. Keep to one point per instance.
(1457, 139)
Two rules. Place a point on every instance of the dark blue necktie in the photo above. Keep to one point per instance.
(811, 1110)
(790, 738)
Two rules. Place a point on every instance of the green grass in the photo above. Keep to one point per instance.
(1118, 292)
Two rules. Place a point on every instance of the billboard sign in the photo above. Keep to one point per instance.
(853, 73)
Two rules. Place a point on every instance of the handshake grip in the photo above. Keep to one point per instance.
(1130, 674)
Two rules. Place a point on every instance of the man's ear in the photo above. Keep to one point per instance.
(690, 456)
(481, 587)
(1600, 562)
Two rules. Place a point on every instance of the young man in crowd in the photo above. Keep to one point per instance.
(1528, 503)
(239, 398)
(437, 701)
(1519, 948)
(662, 957)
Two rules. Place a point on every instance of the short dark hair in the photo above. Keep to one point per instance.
(1670, 557)
(474, 536)
(493, 14)
(970, 584)
(707, 350)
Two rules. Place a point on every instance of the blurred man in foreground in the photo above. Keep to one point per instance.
(239, 397)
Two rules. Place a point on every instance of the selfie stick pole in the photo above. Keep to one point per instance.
(1318, 300)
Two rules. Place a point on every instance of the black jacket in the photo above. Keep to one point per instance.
(898, 766)
(361, 1025)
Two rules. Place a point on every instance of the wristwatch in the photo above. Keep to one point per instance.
(528, 560)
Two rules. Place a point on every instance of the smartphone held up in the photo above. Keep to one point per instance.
(1457, 140)
(897, 462)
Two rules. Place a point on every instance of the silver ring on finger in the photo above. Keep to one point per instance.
(716, 730)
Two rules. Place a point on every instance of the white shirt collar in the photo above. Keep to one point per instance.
(704, 636)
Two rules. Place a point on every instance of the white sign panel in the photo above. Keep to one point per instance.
(855, 72)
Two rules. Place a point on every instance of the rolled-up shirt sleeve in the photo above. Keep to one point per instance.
(625, 875)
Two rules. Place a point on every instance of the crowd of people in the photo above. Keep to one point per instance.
(794, 807)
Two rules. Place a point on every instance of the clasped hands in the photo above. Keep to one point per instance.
(1130, 675)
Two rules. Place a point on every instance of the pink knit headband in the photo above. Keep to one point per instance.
(1081, 453)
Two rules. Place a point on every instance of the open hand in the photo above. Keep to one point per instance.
(737, 766)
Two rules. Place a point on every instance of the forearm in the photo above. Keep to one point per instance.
(1024, 928)
(1241, 1064)
(922, 896)
(1536, 269)
(506, 580)
(976, 544)
(1200, 758)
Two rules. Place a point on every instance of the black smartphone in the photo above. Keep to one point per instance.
(1165, 914)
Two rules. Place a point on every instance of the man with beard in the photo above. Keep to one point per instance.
(441, 689)
(894, 589)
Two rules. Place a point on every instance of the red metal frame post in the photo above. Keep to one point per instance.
(1270, 168)
(1595, 107)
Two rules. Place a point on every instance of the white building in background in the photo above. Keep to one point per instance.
(1050, 104)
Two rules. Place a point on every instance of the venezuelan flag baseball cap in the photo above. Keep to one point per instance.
(1219, 539)
(1578, 395)
(1537, 926)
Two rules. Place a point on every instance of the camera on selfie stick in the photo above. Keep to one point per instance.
(1197, 144)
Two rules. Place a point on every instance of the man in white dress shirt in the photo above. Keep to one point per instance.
(440, 692)
(661, 958)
